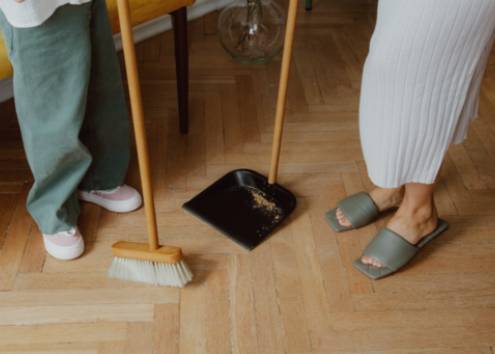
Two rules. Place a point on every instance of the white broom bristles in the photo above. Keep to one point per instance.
(177, 274)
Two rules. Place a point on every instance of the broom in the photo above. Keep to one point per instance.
(143, 262)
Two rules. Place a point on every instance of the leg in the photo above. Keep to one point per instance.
(179, 19)
(410, 107)
(106, 128)
(51, 64)
(416, 216)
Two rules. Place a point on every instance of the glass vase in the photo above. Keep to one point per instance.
(252, 31)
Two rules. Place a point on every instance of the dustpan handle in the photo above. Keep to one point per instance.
(138, 119)
(282, 90)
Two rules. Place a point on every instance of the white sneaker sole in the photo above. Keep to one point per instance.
(117, 206)
(64, 253)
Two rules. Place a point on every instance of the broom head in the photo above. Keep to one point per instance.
(136, 262)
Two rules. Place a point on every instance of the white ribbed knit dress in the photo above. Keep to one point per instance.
(421, 84)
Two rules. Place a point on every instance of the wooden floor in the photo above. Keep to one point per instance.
(297, 293)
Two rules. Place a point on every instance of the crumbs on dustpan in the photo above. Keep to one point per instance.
(260, 201)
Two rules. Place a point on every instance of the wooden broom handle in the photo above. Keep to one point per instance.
(282, 90)
(138, 119)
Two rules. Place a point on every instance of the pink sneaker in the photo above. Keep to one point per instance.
(65, 245)
(122, 199)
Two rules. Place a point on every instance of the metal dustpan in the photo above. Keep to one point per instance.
(245, 205)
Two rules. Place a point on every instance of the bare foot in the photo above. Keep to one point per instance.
(384, 198)
(412, 225)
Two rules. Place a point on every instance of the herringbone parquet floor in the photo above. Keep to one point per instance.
(298, 292)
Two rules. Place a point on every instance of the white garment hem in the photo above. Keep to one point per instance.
(378, 182)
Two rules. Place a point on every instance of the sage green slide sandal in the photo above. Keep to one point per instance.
(393, 251)
(358, 208)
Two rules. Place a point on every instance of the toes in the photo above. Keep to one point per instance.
(371, 261)
(342, 219)
(366, 260)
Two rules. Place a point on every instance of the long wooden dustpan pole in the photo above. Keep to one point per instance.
(138, 119)
(282, 90)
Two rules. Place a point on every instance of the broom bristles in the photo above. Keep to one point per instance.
(175, 274)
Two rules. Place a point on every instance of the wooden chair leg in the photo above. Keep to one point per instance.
(179, 19)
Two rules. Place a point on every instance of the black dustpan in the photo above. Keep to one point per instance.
(245, 205)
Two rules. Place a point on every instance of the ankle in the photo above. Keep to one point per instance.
(386, 198)
(421, 213)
